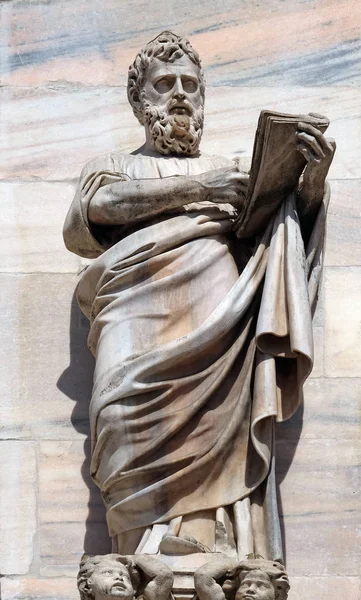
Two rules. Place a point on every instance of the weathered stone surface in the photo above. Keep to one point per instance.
(320, 500)
(70, 125)
(33, 588)
(343, 240)
(246, 44)
(332, 588)
(46, 369)
(18, 506)
(72, 515)
(32, 218)
(342, 322)
(331, 410)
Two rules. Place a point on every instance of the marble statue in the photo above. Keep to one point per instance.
(202, 339)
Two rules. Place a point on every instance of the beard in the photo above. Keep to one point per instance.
(174, 133)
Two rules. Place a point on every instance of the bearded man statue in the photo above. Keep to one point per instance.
(201, 340)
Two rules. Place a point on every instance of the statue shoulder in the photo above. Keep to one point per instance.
(113, 162)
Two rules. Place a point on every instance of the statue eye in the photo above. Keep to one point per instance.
(189, 85)
(163, 85)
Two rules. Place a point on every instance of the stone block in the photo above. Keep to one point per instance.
(227, 36)
(45, 368)
(32, 219)
(343, 241)
(342, 321)
(70, 125)
(320, 504)
(72, 515)
(332, 588)
(331, 410)
(32, 588)
(18, 483)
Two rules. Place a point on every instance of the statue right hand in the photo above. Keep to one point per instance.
(226, 185)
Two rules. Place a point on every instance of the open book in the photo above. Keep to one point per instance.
(276, 167)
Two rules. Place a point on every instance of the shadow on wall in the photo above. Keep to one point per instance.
(76, 382)
(287, 437)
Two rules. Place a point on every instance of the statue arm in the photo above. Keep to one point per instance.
(129, 201)
(205, 579)
(161, 577)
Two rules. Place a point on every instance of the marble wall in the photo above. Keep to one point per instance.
(63, 98)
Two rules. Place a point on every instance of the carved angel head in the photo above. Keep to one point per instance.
(261, 580)
(106, 577)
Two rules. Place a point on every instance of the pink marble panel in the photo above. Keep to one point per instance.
(342, 321)
(320, 497)
(71, 512)
(35, 588)
(330, 588)
(331, 409)
(343, 242)
(52, 132)
(241, 43)
(45, 368)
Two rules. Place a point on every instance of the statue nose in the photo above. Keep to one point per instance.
(179, 91)
(179, 94)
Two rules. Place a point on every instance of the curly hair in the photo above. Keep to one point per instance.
(89, 564)
(167, 47)
(273, 569)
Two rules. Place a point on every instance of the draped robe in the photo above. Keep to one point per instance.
(201, 343)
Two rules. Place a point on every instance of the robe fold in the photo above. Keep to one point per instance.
(195, 358)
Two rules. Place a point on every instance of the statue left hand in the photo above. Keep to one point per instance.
(318, 151)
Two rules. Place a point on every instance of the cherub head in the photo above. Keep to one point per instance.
(106, 577)
(261, 580)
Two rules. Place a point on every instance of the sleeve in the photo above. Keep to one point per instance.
(79, 235)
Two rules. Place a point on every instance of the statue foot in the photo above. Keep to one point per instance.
(172, 544)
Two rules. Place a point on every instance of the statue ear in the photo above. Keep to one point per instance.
(134, 97)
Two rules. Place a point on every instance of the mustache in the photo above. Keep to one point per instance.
(180, 104)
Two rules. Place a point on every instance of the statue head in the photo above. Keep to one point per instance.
(166, 91)
(107, 577)
(262, 580)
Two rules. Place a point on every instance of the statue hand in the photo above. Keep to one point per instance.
(226, 185)
(318, 151)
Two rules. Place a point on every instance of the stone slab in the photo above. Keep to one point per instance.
(48, 41)
(18, 506)
(71, 511)
(343, 241)
(331, 410)
(45, 368)
(320, 588)
(33, 588)
(320, 501)
(32, 216)
(51, 132)
(342, 321)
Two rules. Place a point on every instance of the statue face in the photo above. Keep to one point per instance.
(256, 586)
(111, 580)
(175, 82)
(173, 106)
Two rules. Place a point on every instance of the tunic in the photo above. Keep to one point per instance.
(200, 345)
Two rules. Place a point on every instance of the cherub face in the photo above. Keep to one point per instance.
(111, 580)
(256, 585)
